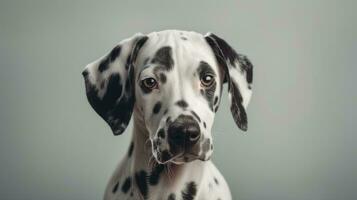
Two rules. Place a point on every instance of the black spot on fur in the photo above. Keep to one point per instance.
(85, 73)
(184, 38)
(128, 62)
(215, 100)
(204, 124)
(172, 196)
(155, 174)
(163, 56)
(115, 188)
(190, 191)
(141, 182)
(114, 53)
(126, 186)
(166, 110)
(216, 180)
(247, 66)
(162, 78)
(168, 120)
(237, 109)
(161, 133)
(195, 114)
(114, 89)
(182, 104)
(156, 108)
(104, 65)
(131, 148)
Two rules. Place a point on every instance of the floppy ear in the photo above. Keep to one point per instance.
(238, 74)
(108, 83)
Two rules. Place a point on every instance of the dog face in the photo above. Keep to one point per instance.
(177, 89)
(173, 80)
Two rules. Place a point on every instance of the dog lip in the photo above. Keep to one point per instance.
(192, 154)
(186, 157)
(171, 159)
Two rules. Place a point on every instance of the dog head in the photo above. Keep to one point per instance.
(173, 80)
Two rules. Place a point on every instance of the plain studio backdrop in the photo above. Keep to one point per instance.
(301, 139)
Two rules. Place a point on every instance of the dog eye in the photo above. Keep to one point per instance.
(207, 80)
(149, 83)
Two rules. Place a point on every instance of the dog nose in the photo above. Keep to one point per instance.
(184, 131)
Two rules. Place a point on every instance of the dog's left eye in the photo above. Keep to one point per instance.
(207, 80)
(149, 83)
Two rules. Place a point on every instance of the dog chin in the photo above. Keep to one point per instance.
(187, 159)
(182, 159)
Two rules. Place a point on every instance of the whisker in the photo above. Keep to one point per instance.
(151, 162)
(148, 142)
(168, 171)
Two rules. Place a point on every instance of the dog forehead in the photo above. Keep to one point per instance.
(184, 48)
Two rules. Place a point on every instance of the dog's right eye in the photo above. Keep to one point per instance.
(207, 80)
(149, 83)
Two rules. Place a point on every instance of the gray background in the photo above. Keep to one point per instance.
(301, 138)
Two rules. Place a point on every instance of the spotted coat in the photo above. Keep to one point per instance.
(171, 82)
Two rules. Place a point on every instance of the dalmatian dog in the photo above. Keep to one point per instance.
(171, 82)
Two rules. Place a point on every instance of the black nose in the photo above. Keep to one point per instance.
(183, 132)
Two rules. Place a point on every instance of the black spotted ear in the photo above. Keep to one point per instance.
(238, 74)
(108, 83)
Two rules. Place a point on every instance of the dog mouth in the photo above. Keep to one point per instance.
(188, 157)
(181, 158)
(166, 157)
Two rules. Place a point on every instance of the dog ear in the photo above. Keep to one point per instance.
(109, 83)
(238, 74)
